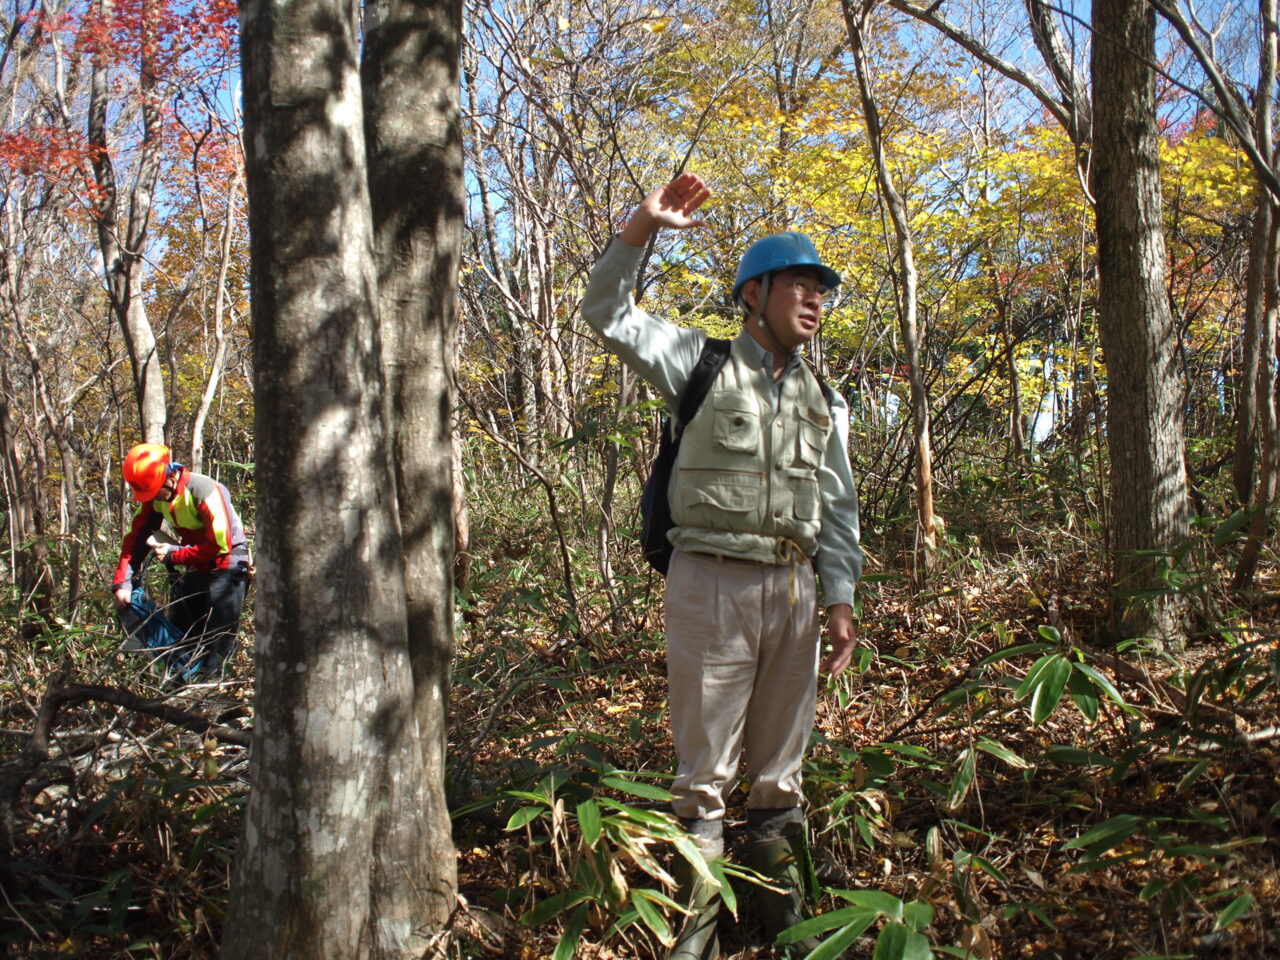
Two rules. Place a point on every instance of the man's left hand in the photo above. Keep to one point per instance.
(842, 635)
(162, 551)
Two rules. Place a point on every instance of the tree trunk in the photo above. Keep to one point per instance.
(335, 859)
(1017, 436)
(123, 247)
(57, 426)
(1150, 512)
(28, 551)
(1244, 456)
(926, 523)
(1260, 324)
(1267, 420)
(412, 128)
(218, 362)
(1261, 287)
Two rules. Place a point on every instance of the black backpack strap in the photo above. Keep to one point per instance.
(828, 394)
(710, 361)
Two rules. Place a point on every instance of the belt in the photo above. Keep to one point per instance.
(724, 558)
(789, 555)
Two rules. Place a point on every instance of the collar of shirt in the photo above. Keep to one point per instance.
(762, 359)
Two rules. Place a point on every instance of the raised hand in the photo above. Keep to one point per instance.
(669, 206)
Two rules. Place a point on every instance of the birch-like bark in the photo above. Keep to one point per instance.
(123, 245)
(218, 361)
(856, 23)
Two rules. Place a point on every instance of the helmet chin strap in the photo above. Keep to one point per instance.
(759, 317)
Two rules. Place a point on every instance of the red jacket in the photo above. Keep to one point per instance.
(204, 520)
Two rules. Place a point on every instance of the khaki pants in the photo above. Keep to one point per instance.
(742, 671)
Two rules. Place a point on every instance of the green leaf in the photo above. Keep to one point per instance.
(907, 750)
(834, 946)
(646, 790)
(1105, 685)
(1231, 526)
(885, 904)
(847, 917)
(1009, 652)
(523, 816)
(1045, 682)
(1208, 855)
(1001, 752)
(897, 942)
(864, 829)
(1152, 889)
(963, 858)
(1234, 911)
(917, 914)
(568, 943)
(652, 916)
(1049, 633)
(589, 821)
(1033, 678)
(962, 694)
(727, 895)
(662, 821)
(689, 850)
(967, 768)
(878, 764)
(1059, 753)
(1192, 775)
(1084, 694)
(531, 797)
(552, 906)
(1106, 836)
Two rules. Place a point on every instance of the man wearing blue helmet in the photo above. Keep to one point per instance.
(763, 499)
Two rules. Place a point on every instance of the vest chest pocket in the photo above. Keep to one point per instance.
(812, 436)
(727, 491)
(736, 426)
(806, 499)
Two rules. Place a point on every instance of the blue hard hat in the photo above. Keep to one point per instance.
(778, 252)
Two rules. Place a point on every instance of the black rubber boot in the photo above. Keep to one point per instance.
(776, 850)
(697, 939)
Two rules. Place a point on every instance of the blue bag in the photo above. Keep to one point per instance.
(149, 629)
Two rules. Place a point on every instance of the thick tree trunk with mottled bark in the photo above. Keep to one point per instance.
(1150, 512)
(345, 851)
(411, 95)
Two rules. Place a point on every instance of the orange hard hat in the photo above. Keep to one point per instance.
(145, 467)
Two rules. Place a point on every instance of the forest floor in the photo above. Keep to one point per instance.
(929, 780)
(1135, 815)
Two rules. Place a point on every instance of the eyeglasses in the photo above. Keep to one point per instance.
(807, 287)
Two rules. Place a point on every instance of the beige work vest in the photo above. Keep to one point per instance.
(745, 477)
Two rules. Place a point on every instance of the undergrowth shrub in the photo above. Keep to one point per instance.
(121, 841)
